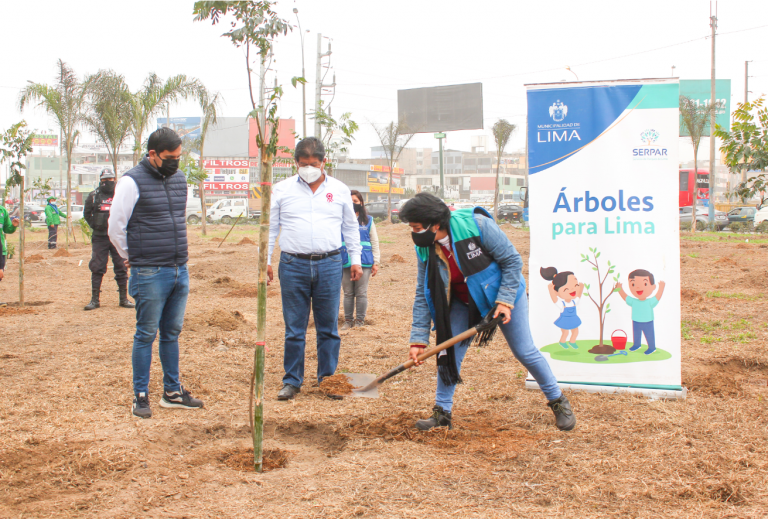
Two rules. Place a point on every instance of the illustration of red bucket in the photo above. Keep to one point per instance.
(619, 342)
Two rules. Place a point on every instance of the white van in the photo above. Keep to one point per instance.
(228, 210)
(194, 210)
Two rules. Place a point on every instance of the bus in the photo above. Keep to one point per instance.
(687, 188)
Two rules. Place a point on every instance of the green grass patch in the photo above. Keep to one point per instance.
(706, 237)
(710, 340)
(734, 295)
(743, 337)
(693, 255)
(685, 330)
(583, 356)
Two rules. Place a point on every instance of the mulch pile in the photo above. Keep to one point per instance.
(34, 257)
(62, 253)
(242, 459)
(336, 385)
(246, 241)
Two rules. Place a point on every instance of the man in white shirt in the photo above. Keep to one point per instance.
(310, 211)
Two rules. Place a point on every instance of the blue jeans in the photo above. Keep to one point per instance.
(160, 294)
(638, 329)
(304, 283)
(518, 335)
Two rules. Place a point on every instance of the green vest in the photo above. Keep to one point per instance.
(6, 227)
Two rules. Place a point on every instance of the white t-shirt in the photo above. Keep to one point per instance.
(562, 304)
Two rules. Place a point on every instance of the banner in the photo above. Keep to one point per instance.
(604, 278)
(44, 140)
(378, 180)
(699, 91)
(186, 127)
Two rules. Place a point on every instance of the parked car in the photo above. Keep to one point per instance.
(702, 217)
(742, 214)
(76, 212)
(228, 210)
(379, 210)
(510, 212)
(761, 215)
(34, 213)
(194, 210)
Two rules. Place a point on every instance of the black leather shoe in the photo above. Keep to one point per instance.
(439, 418)
(288, 392)
(564, 418)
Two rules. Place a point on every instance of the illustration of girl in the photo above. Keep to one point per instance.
(565, 291)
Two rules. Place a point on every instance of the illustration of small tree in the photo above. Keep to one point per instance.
(649, 136)
(603, 307)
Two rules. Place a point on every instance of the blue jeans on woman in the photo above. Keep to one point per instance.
(303, 283)
(160, 294)
(517, 332)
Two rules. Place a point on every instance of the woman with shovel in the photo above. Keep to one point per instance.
(466, 266)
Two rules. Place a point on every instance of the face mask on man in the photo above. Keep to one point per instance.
(309, 173)
(108, 187)
(423, 238)
(168, 166)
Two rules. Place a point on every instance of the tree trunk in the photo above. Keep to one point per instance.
(695, 187)
(389, 193)
(21, 244)
(261, 312)
(496, 191)
(202, 189)
(69, 189)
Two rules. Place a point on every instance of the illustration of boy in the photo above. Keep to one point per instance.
(642, 285)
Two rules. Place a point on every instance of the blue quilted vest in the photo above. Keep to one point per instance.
(157, 229)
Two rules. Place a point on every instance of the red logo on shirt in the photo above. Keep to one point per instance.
(329, 196)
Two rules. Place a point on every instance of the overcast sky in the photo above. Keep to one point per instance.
(380, 47)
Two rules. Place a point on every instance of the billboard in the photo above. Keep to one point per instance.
(605, 248)
(441, 109)
(700, 92)
(39, 140)
(378, 180)
(186, 127)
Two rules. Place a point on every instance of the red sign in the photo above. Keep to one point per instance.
(230, 163)
(226, 186)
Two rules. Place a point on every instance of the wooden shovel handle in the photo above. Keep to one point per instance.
(440, 347)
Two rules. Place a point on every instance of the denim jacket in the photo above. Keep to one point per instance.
(501, 250)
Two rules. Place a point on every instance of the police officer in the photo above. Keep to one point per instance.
(96, 213)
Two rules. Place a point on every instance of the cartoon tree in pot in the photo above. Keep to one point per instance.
(603, 307)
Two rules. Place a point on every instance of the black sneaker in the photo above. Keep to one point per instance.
(180, 400)
(141, 406)
(564, 418)
(439, 418)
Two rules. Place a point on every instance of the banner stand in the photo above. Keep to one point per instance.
(652, 393)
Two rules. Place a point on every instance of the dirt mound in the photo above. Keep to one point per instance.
(216, 240)
(34, 257)
(246, 241)
(242, 459)
(743, 246)
(482, 433)
(396, 258)
(227, 321)
(226, 281)
(336, 385)
(247, 291)
(686, 294)
(5, 311)
(725, 261)
(62, 253)
(605, 349)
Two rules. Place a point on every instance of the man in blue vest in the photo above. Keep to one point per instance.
(147, 225)
(466, 266)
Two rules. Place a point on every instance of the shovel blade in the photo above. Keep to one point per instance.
(362, 380)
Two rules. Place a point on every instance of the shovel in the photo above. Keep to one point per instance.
(484, 330)
(601, 358)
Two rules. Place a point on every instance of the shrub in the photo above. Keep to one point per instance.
(685, 226)
(736, 226)
(762, 227)
(11, 250)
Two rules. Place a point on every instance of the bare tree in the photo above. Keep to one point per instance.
(502, 131)
(393, 137)
(694, 119)
(210, 104)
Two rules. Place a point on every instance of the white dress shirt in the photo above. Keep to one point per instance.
(313, 222)
(126, 196)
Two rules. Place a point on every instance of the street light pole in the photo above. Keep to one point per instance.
(303, 75)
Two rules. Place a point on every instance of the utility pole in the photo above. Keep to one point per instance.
(440, 136)
(713, 116)
(319, 83)
(746, 81)
(303, 75)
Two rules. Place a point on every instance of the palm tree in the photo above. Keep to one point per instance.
(210, 104)
(110, 111)
(502, 131)
(151, 99)
(67, 102)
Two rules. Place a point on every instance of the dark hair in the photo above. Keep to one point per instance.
(362, 217)
(426, 209)
(164, 139)
(309, 147)
(557, 279)
(640, 273)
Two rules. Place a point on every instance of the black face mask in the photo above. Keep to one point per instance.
(108, 188)
(168, 167)
(358, 208)
(424, 238)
